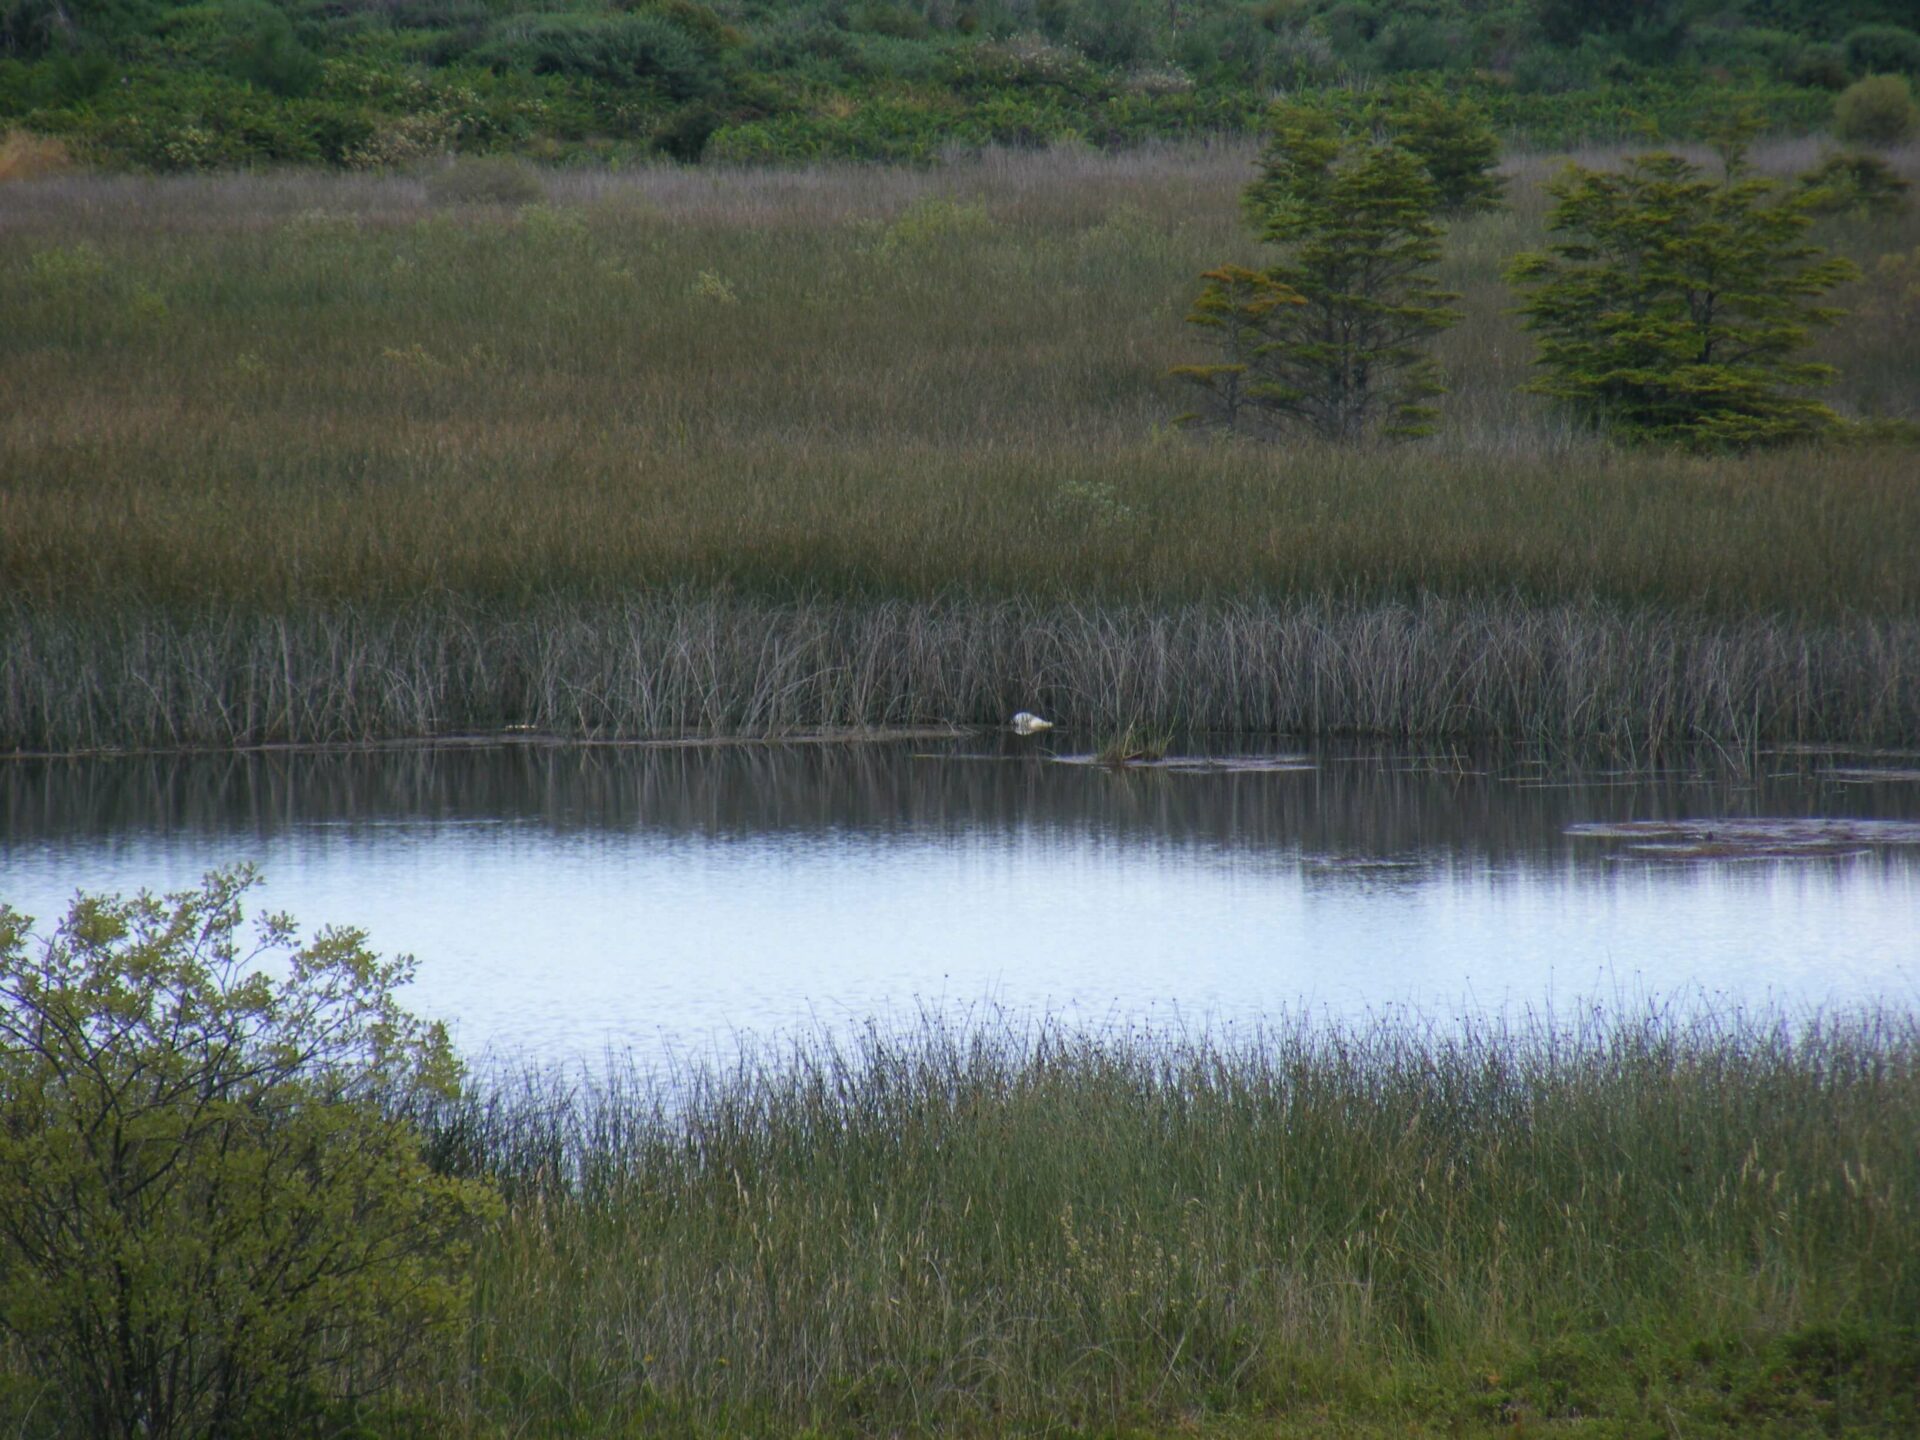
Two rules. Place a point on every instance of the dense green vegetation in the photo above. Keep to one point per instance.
(374, 83)
(1591, 1225)
(215, 1216)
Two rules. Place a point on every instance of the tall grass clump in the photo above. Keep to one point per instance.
(1662, 1219)
(26, 156)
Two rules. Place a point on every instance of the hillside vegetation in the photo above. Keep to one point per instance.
(375, 83)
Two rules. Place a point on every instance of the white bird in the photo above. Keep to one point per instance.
(1028, 723)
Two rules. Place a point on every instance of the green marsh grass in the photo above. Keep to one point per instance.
(306, 405)
(1663, 1221)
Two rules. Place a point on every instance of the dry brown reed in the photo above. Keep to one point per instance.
(26, 156)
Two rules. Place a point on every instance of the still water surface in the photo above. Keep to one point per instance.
(565, 901)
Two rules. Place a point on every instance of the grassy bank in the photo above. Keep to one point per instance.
(867, 406)
(1655, 1225)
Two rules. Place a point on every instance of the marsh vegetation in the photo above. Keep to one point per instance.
(750, 451)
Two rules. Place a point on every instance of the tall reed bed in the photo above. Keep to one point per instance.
(302, 408)
(678, 664)
(1663, 1221)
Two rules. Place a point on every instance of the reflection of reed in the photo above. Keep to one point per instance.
(677, 664)
(1354, 805)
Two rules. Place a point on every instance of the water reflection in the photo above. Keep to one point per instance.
(1353, 801)
(562, 899)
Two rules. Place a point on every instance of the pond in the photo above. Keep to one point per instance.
(565, 902)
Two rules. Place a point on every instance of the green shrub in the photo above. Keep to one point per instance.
(214, 1219)
(1883, 50)
(1854, 184)
(486, 180)
(1672, 306)
(249, 40)
(643, 48)
(1876, 111)
(1820, 67)
(1025, 62)
(32, 28)
(1416, 42)
(685, 134)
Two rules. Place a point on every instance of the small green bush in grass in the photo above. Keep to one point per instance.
(1878, 110)
(1862, 184)
(212, 1220)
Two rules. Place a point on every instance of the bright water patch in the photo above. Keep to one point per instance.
(563, 901)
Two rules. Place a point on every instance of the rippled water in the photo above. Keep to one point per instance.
(565, 900)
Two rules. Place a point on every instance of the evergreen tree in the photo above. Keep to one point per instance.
(1452, 137)
(1238, 306)
(1333, 335)
(1457, 144)
(1674, 305)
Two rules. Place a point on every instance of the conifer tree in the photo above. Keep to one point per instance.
(1238, 306)
(1457, 144)
(1674, 305)
(1333, 335)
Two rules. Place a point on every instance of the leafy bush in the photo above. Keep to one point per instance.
(1672, 305)
(1876, 111)
(249, 40)
(1854, 184)
(1567, 22)
(1883, 50)
(1823, 67)
(35, 27)
(213, 1218)
(685, 134)
(643, 48)
(1026, 62)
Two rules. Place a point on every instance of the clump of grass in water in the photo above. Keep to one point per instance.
(1134, 744)
(1709, 1220)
